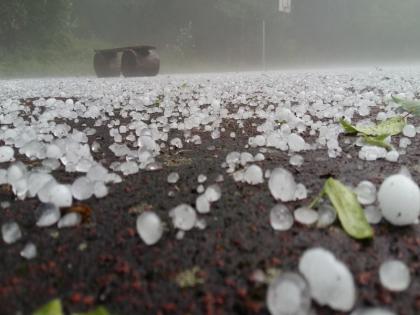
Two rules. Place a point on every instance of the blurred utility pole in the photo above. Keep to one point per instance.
(264, 46)
(285, 6)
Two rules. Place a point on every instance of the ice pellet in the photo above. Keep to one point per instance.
(282, 185)
(149, 227)
(331, 282)
(29, 251)
(253, 175)
(394, 275)
(173, 178)
(202, 204)
(6, 154)
(71, 219)
(366, 192)
(399, 200)
(183, 217)
(305, 215)
(213, 193)
(82, 188)
(280, 218)
(10, 232)
(288, 294)
(50, 214)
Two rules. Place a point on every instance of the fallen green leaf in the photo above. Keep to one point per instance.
(53, 307)
(98, 311)
(378, 141)
(409, 106)
(389, 127)
(348, 127)
(349, 211)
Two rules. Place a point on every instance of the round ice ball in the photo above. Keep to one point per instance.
(149, 227)
(399, 199)
(288, 294)
(394, 275)
(330, 281)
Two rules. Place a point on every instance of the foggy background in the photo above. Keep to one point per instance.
(57, 37)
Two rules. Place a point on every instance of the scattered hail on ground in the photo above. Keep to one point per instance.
(51, 125)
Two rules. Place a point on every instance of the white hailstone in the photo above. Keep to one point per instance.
(213, 193)
(305, 215)
(238, 176)
(366, 192)
(6, 154)
(330, 281)
(183, 217)
(97, 173)
(145, 156)
(394, 275)
(259, 157)
(326, 215)
(372, 311)
(96, 147)
(296, 143)
(215, 134)
(233, 158)
(200, 189)
(282, 185)
(296, 160)
(50, 214)
(246, 158)
(53, 151)
(280, 218)
(409, 131)
(288, 294)
(392, 156)
(51, 164)
(259, 140)
(100, 190)
(29, 251)
(201, 178)
(202, 204)
(129, 168)
(83, 166)
(36, 181)
(404, 142)
(399, 200)
(61, 195)
(71, 219)
(149, 227)
(372, 153)
(253, 175)
(373, 214)
(201, 224)
(82, 188)
(15, 172)
(180, 235)
(301, 192)
(10, 232)
(20, 188)
(173, 178)
(176, 142)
